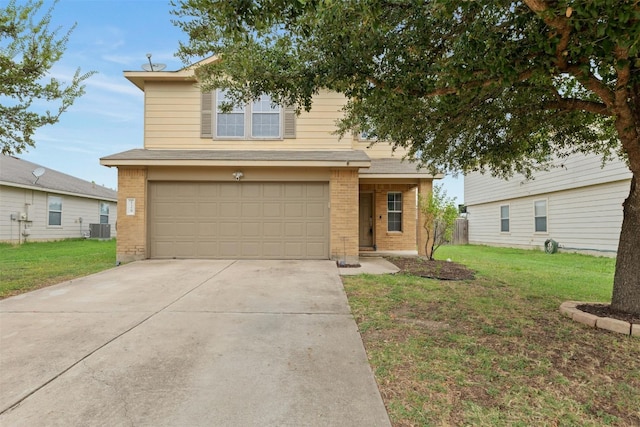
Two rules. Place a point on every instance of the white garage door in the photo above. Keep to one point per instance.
(239, 220)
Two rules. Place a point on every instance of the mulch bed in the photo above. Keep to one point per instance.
(604, 310)
(436, 269)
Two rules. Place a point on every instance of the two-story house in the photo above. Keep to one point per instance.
(577, 204)
(258, 181)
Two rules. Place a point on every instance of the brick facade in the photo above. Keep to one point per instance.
(384, 239)
(344, 214)
(132, 230)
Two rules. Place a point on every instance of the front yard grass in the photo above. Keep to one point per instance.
(495, 351)
(34, 265)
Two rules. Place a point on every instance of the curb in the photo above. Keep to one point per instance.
(569, 309)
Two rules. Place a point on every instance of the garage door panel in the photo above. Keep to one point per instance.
(250, 249)
(251, 190)
(272, 191)
(294, 229)
(229, 229)
(272, 229)
(251, 210)
(207, 249)
(316, 210)
(229, 210)
(316, 229)
(272, 249)
(315, 249)
(231, 191)
(251, 229)
(293, 210)
(209, 229)
(294, 191)
(206, 209)
(293, 248)
(272, 209)
(239, 220)
(229, 249)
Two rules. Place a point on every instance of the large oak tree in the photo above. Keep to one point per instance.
(495, 85)
(29, 48)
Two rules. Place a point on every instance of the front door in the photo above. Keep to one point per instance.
(366, 220)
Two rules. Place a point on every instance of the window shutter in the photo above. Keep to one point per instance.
(289, 130)
(206, 120)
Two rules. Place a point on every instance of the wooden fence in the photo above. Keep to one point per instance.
(461, 232)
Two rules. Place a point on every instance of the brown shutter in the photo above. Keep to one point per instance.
(289, 130)
(206, 120)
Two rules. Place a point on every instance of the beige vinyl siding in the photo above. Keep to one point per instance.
(173, 116)
(16, 200)
(577, 171)
(587, 218)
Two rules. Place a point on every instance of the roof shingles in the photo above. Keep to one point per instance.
(18, 172)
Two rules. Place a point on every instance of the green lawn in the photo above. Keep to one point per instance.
(34, 265)
(495, 351)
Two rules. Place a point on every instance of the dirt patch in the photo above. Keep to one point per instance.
(604, 310)
(432, 269)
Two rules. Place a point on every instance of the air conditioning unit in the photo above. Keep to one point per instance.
(100, 231)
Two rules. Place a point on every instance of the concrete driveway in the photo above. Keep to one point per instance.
(188, 343)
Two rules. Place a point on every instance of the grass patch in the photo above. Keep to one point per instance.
(494, 351)
(34, 265)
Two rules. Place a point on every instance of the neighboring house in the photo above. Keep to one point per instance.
(38, 203)
(578, 205)
(257, 182)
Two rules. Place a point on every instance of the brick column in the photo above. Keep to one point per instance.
(132, 230)
(424, 187)
(344, 215)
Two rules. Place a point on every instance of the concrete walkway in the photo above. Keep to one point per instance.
(188, 343)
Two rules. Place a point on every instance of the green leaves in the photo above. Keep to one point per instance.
(28, 50)
(481, 85)
(439, 214)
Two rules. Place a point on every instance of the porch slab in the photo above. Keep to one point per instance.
(370, 265)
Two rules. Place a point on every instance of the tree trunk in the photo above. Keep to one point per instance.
(626, 283)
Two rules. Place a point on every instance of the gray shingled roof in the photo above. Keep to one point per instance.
(18, 172)
(393, 167)
(239, 155)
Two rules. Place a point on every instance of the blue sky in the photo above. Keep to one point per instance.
(111, 36)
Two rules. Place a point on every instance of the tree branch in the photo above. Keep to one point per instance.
(572, 104)
(561, 25)
(474, 84)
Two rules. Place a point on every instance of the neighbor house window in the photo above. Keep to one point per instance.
(504, 218)
(55, 210)
(394, 211)
(540, 215)
(104, 213)
(259, 119)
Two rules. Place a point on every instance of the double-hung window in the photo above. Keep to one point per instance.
(229, 124)
(259, 119)
(540, 215)
(104, 213)
(394, 211)
(265, 118)
(55, 210)
(504, 218)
